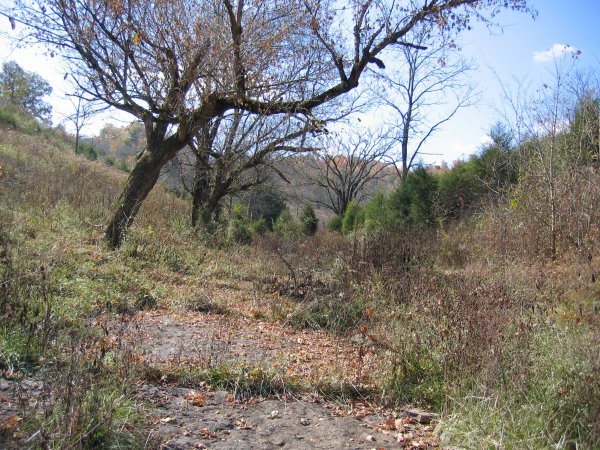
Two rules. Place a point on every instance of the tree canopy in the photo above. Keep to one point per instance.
(24, 91)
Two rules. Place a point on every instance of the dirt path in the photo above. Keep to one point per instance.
(296, 424)
(207, 340)
(185, 418)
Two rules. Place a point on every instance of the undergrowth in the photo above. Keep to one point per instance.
(468, 318)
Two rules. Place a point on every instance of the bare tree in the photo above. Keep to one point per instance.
(345, 167)
(429, 80)
(84, 110)
(234, 153)
(177, 65)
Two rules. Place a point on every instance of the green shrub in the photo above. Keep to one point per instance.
(309, 221)
(32, 127)
(122, 165)
(259, 227)
(238, 232)
(497, 164)
(335, 224)
(110, 160)
(350, 220)
(88, 151)
(285, 225)
(458, 189)
(412, 203)
(8, 117)
(374, 215)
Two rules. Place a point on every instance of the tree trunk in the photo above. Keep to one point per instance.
(206, 212)
(200, 191)
(202, 176)
(405, 137)
(77, 140)
(142, 179)
(206, 200)
(160, 149)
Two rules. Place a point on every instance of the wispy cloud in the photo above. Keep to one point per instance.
(556, 51)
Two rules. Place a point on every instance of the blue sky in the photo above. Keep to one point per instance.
(520, 53)
(508, 55)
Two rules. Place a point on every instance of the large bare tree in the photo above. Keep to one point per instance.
(234, 153)
(178, 64)
(428, 90)
(345, 167)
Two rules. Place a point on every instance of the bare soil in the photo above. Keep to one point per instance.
(201, 418)
(181, 417)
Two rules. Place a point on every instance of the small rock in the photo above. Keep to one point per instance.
(177, 444)
(371, 438)
(31, 385)
(223, 425)
(304, 421)
(167, 420)
(274, 414)
(420, 416)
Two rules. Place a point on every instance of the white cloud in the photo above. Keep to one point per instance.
(556, 51)
(485, 140)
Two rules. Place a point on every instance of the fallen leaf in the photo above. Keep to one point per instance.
(389, 424)
(242, 425)
(10, 423)
(198, 400)
(206, 433)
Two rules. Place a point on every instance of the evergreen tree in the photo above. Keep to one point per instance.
(309, 220)
(412, 203)
(350, 219)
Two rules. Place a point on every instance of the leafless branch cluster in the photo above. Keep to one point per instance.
(178, 65)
